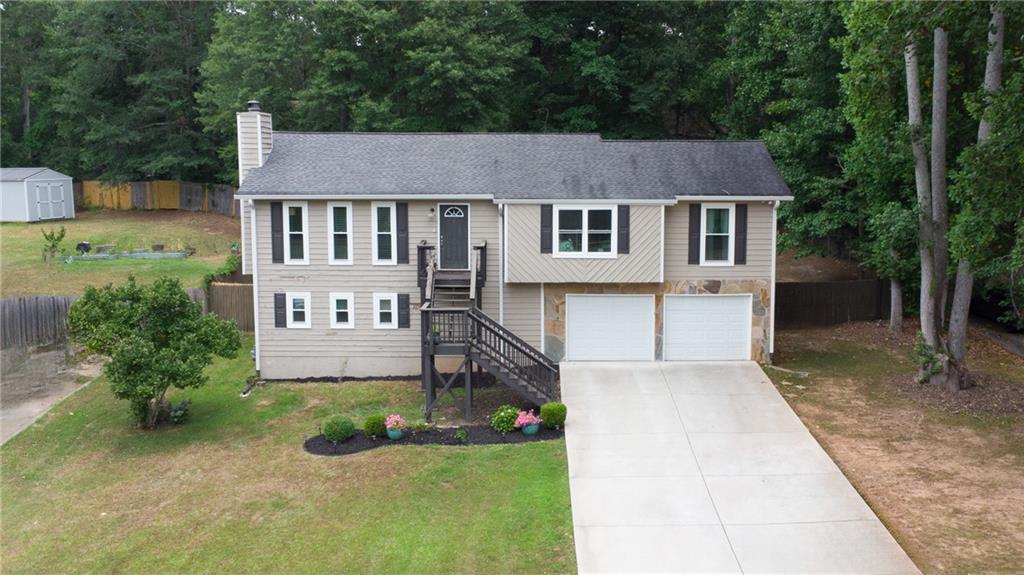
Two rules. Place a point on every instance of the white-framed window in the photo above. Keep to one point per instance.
(339, 233)
(297, 305)
(342, 310)
(717, 235)
(384, 224)
(385, 311)
(585, 231)
(296, 240)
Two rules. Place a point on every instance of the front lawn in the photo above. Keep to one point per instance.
(25, 273)
(233, 491)
(944, 472)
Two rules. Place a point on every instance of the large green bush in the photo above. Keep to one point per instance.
(553, 413)
(338, 429)
(504, 419)
(374, 426)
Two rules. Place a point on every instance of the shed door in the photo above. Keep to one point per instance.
(707, 327)
(609, 328)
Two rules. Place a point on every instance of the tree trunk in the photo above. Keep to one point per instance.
(26, 110)
(895, 306)
(954, 370)
(940, 201)
(924, 196)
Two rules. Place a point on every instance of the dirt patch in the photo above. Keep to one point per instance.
(790, 268)
(213, 224)
(475, 435)
(942, 470)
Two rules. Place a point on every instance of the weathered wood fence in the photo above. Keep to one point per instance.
(828, 303)
(158, 195)
(43, 319)
(232, 301)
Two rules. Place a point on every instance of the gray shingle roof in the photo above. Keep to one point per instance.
(512, 166)
(18, 174)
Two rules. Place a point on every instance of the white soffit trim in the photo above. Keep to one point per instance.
(728, 198)
(590, 201)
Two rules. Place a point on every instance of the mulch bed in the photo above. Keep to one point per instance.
(476, 435)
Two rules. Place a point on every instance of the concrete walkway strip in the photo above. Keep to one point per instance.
(704, 468)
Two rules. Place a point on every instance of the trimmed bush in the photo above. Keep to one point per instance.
(374, 426)
(504, 419)
(338, 429)
(553, 413)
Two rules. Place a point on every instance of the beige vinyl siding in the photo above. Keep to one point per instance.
(526, 264)
(363, 351)
(249, 140)
(522, 312)
(759, 246)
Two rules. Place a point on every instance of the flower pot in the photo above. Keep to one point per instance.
(531, 429)
(394, 434)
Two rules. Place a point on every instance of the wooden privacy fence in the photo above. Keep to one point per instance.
(232, 301)
(159, 195)
(43, 319)
(829, 303)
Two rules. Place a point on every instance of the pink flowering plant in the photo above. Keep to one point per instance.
(526, 418)
(394, 421)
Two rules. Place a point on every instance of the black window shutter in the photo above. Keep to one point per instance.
(624, 229)
(740, 249)
(280, 311)
(403, 310)
(402, 222)
(545, 229)
(276, 233)
(694, 236)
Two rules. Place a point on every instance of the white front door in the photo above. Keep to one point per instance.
(707, 327)
(609, 327)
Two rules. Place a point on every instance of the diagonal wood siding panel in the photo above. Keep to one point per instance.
(527, 265)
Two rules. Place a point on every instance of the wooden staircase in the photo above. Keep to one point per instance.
(452, 324)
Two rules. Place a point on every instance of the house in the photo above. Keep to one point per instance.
(381, 254)
(34, 194)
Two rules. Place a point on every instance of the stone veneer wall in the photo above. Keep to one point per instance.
(554, 308)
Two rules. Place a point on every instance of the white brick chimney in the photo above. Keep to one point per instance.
(255, 138)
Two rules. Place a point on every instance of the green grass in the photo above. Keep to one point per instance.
(232, 490)
(24, 272)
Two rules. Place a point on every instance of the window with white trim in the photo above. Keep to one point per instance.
(385, 311)
(342, 311)
(297, 305)
(339, 230)
(384, 235)
(585, 231)
(717, 237)
(296, 240)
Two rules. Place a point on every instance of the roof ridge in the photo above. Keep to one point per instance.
(592, 134)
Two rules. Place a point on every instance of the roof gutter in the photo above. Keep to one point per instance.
(391, 197)
(588, 201)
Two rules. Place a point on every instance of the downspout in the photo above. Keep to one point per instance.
(501, 264)
(771, 319)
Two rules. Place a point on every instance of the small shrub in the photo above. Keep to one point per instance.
(374, 426)
(462, 436)
(553, 413)
(52, 240)
(179, 411)
(504, 419)
(420, 426)
(338, 429)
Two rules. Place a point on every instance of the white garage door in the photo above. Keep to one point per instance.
(609, 328)
(707, 327)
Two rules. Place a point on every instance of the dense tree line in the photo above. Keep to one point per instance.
(128, 90)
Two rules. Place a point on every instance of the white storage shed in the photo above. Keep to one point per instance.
(34, 194)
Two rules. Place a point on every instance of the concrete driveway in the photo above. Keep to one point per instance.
(704, 468)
